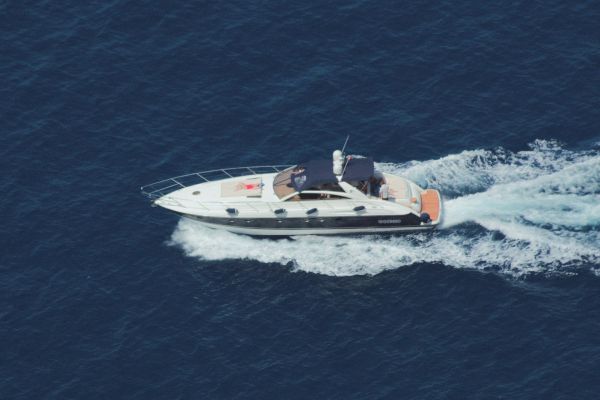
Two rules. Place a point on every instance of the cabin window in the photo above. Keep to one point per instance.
(335, 197)
(329, 187)
(309, 196)
(315, 196)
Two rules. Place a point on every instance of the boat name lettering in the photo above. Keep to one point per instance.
(389, 221)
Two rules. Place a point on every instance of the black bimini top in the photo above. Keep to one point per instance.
(318, 172)
(358, 169)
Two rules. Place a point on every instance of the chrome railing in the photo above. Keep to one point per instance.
(158, 189)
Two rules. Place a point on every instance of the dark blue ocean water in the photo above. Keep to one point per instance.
(103, 297)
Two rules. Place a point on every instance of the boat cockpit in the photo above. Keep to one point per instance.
(316, 180)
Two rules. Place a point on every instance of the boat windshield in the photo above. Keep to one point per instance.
(283, 186)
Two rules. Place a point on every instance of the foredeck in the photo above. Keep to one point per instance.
(158, 189)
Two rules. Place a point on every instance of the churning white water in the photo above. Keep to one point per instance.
(531, 211)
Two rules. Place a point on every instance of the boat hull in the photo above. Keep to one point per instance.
(315, 225)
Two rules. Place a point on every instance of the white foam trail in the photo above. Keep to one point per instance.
(569, 197)
(539, 210)
(474, 171)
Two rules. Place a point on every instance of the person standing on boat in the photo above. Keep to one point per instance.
(384, 190)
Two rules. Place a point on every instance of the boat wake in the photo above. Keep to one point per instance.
(534, 211)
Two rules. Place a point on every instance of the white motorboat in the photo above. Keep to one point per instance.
(346, 195)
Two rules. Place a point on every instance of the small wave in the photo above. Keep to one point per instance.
(526, 212)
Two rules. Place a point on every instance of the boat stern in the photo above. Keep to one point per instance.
(431, 204)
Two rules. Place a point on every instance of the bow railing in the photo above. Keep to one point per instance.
(158, 189)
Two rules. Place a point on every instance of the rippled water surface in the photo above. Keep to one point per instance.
(495, 105)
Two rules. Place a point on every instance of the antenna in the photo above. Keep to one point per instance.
(345, 143)
(347, 161)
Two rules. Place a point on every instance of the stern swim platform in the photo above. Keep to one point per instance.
(431, 203)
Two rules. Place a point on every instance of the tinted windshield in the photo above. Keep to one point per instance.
(282, 184)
